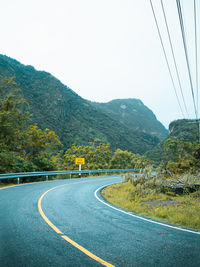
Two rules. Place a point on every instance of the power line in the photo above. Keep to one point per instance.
(196, 55)
(173, 55)
(186, 52)
(165, 55)
(196, 63)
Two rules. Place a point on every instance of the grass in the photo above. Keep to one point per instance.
(181, 210)
(2, 185)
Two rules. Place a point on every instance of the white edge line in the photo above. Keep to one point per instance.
(139, 217)
(10, 186)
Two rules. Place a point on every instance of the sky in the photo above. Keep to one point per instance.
(105, 49)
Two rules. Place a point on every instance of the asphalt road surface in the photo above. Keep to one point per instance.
(65, 223)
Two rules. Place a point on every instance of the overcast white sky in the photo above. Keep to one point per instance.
(103, 49)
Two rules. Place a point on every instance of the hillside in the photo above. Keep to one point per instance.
(55, 106)
(134, 114)
(186, 129)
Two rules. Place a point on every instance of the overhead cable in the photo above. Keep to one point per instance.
(196, 56)
(186, 52)
(165, 55)
(173, 55)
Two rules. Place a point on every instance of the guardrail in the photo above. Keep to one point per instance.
(49, 173)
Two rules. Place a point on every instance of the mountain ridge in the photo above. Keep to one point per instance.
(76, 120)
(134, 114)
(187, 129)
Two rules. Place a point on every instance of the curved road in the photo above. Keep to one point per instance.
(63, 223)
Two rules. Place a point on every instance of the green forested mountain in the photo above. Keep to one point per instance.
(134, 114)
(180, 131)
(186, 129)
(75, 120)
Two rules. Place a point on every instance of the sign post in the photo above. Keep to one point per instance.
(79, 170)
(80, 161)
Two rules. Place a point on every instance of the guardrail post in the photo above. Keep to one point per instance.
(18, 180)
(47, 177)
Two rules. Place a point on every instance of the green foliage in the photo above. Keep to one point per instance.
(13, 115)
(187, 130)
(180, 156)
(180, 131)
(122, 160)
(39, 148)
(29, 148)
(135, 115)
(180, 152)
(22, 148)
(57, 160)
(76, 120)
(145, 196)
(141, 161)
(156, 154)
(38, 141)
(97, 156)
(55, 106)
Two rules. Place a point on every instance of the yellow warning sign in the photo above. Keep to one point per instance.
(79, 161)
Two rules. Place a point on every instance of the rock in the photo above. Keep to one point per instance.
(181, 189)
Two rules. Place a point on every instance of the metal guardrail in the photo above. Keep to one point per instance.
(49, 173)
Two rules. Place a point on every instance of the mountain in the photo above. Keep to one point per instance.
(186, 129)
(133, 114)
(54, 105)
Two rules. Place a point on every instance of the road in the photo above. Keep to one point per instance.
(63, 223)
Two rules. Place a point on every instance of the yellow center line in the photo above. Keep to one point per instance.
(84, 250)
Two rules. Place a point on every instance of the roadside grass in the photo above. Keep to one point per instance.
(2, 185)
(182, 210)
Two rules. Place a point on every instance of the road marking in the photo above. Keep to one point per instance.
(85, 251)
(137, 216)
(44, 216)
(10, 186)
(91, 255)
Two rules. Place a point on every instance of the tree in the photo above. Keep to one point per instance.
(122, 159)
(13, 115)
(39, 147)
(181, 156)
(97, 156)
(141, 161)
(22, 148)
(38, 141)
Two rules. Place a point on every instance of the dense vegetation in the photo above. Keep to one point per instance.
(187, 130)
(181, 146)
(152, 196)
(170, 194)
(22, 147)
(134, 114)
(76, 120)
(26, 147)
(87, 132)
